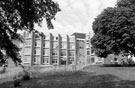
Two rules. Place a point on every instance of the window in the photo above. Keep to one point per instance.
(35, 43)
(63, 38)
(38, 43)
(54, 61)
(54, 53)
(63, 61)
(47, 44)
(36, 35)
(115, 59)
(34, 51)
(54, 57)
(88, 52)
(37, 51)
(88, 61)
(71, 53)
(72, 46)
(92, 50)
(72, 39)
(46, 52)
(27, 51)
(87, 45)
(63, 45)
(45, 60)
(55, 45)
(36, 60)
(71, 60)
(92, 60)
(43, 44)
(63, 52)
(27, 59)
(28, 42)
(44, 36)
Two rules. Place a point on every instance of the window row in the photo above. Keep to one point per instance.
(92, 52)
(46, 44)
(45, 60)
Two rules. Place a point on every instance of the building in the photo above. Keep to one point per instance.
(56, 49)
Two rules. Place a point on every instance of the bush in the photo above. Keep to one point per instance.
(26, 75)
(16, 82)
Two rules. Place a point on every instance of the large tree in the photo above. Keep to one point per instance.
(22, 15)
(114, 30)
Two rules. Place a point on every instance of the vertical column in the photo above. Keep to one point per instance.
(67, 50)
(75, 51)
(32, 46)
(50, 48)
(90, 47)
(85, 49)
(41, 48)
(59, 50)
(67, 53)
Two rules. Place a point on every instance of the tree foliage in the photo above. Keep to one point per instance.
(114, 30)
(22, 15)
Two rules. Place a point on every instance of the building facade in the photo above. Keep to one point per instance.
(50, 49)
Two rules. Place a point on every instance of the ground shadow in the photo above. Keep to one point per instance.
(78, 79)
(108, 81)
(116, 65)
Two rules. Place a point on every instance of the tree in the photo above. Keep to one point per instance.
(114, 30)
(22, 15)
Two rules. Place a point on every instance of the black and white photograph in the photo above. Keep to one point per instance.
(67, 43)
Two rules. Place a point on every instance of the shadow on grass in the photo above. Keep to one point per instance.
(107, 81)
(116, 65)
(78, 79)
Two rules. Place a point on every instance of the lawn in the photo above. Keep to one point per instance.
(90, 77)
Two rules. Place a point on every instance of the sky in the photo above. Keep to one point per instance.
(76, 15)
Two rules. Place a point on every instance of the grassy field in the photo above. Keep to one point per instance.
(89, 77)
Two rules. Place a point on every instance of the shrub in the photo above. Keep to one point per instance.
(16, 82)
(26, 75)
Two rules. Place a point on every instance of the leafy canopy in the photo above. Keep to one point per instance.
(22, 15)
(114, 30)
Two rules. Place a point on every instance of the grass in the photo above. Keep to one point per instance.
(89, 77)
(9, 74)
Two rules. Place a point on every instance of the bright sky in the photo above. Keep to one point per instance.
(76, 15)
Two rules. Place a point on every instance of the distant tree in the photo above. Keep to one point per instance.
(22, 15)
(114, 30)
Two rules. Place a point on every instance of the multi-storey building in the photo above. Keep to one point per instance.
(56, 49)
(91, 58)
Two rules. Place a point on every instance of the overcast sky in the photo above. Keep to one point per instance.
(76, 15)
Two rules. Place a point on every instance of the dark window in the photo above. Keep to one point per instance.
(56, 38)
(54, 60)
(34, 51)
(44, 36)
(35, 43)
(92, 60)
(115, 59)
(88, 52)
(34, 60)
(92, 51)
